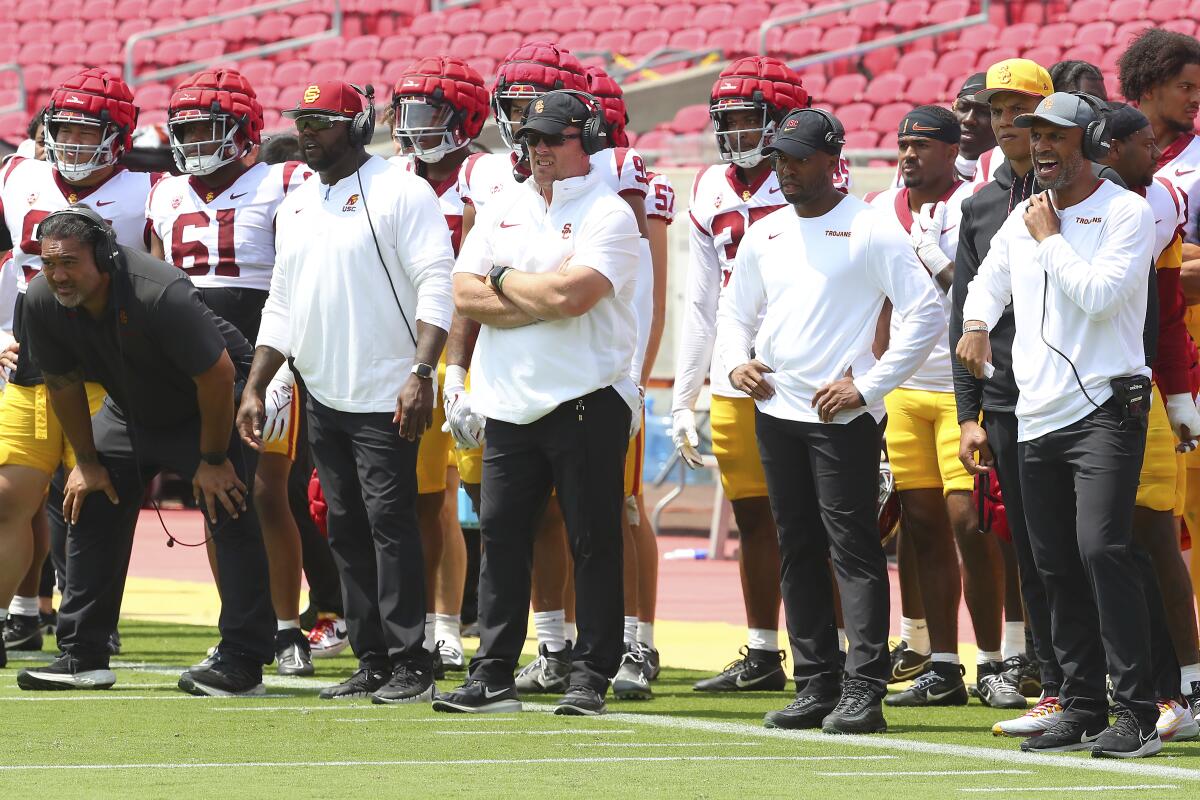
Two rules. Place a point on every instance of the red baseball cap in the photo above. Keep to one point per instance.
(331, 97)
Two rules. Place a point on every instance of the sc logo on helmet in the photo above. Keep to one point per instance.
(311, 94)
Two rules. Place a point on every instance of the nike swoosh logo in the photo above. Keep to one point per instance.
(942, 696)
(509, 224)
(1086, 739)
(904, 674)
(919, 127)
(1181, 172)
(104, 203)
(489, 694)
(947, 230)
(741, 683)
(773, 190)
(236, 196)
(773, 235)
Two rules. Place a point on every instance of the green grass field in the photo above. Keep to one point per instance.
(144, 738)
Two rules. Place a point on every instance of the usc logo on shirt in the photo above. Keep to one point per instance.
(566, 231)
(838, 233)
(351, 203)
(1088, 220)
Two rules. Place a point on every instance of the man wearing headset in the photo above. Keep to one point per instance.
(360, 299)
(1073, 262)
(169, 366)
(549, 271)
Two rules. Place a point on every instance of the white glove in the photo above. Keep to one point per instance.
(8, 356)
(683, 434)
(278, 400)
(1181, 411)
(926, 237)
(635, 421)
(461, 422)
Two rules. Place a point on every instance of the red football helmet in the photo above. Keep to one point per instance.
(530, 70)
(97, 99)
(439, 98)
(225, 101)
(612, 99)
(760, 84)
(888, 510)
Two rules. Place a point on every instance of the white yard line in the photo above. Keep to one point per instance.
(924, 773)
(64, 697)
(1022, 789)
(563, 732)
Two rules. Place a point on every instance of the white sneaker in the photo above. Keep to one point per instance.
(630, 682)
(1175, 722)
(1033, 722)
(328, 637)
(452, 656)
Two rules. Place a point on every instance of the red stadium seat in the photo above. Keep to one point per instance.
(1084, 52)
(257, 71)
(840, 38)
(886, 88)
(308, 25)
(728, 43)
(396, 47)
(617, 41)
(568, 18)
(130, 9)
(688, 39)
(331, 69)
(717, 16)
(948, 11)
(883, 59)
(368, 70)
(814, 84)
(467, 45)
(268, 96)
(290, 73)
(35, 32)
(206, 49)
(648, 41)
(501, 44)
(70, 52)
(1016, 36)
(1126, 9)
(486, 67)
(1164, 10)
(1058, 34)
(774, 40)
(1185, 26)
(1097, 33)
(676, 17)
(162, 9)
(997, 55)
(929, 89)
(151, 96)
(654, 141)
(872, 15)
(362, 46)
(854, 116)
(1046, 56)
(37, 51)
(434, 45)
(1085, 11)
(914, 65)
(540, 36)
(906, 13)
(531, 18)
(1127, 31)
(846, 88)
(578, 40)
(691, 119)
(430, 22)
(887, 118)
(861, 140)
(607, 18)
(463, 20)
(800, 41)
(497, 20)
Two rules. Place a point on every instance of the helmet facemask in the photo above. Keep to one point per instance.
(734, 143)
(427, 129)
(205, 156)
(508, 122)
(75, 162)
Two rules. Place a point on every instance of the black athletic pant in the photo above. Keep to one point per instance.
(98, 546)
(324, 587)
(1079, 484)
(369, 476)
(823, 483)
(241, 308)
(578, 449)
(1001, 429)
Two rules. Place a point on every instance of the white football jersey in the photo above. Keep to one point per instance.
(1170, 213)
(935, 374)
(223, 237)
(33, 190)
(8, 295)
(1180, 164)
(986, 166)
(722, 209)
(660, 199)
(449, 195)
(486, 174)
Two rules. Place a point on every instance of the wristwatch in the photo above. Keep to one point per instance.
(496, 278)
(423, 371)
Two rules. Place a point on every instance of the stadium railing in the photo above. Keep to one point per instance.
(19, 105)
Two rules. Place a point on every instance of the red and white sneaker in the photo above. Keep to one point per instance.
(1175, 721)
(328, 637)
(1033, 722)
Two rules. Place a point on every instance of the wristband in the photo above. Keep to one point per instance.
(975, 329)
(455, 380)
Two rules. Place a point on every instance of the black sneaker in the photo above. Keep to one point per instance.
(293, 654)
(581, 701)
(22, 632)
(653, 665)
(362, 683)
(907, 664)
(1128, 737)
(3, 653)
(1026, 674)
(998, 687)
(1192, 698)
(1069, 734)
(858, 711)
(49, 620)
(223, 677)
(548, 673)
(410, 683)
(114, 643)
(942, 685)
(755, 671)
(67, 672)
(807, 711)
(476, 697)
(436, 662)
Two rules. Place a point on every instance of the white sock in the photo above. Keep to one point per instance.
(645, 633)
(916, 634)
(24, 607)
(987, 656)
(764, 639)
(569, 632)
(631, 624)
(430, 638)
(944, 658)
(3, 614)
(287, 624)
(1187, 675)
(843, 642)
(550, 629)
(448, 628)
(1014, 639)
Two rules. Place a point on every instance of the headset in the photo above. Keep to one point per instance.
(1097, 140)
(108, 257)
(836, 135)
(362, 127)
(593, 135)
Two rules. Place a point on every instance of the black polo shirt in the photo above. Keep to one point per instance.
(167, 336)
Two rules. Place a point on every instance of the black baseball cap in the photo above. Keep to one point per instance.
(972, 85)
(553, 112)
(805, 131)
(1125, 120)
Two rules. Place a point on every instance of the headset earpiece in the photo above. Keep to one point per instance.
(836, 133)
(362, 127)
(593, 137)
(1097, 141)
(106, 253)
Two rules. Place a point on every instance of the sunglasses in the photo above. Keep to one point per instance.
(316, 122)
(533, 138)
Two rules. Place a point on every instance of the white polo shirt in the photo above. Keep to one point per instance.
(331, 306)
(519, 375)
(1093, 278)
(818, 286)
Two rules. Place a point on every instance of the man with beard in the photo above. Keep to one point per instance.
(1073, 262)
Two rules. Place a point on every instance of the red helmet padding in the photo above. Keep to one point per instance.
(541, 64)
(317, 508)
(224, 91)
(763, 79)
(612, 99)
(97, 93)
(447, 80)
